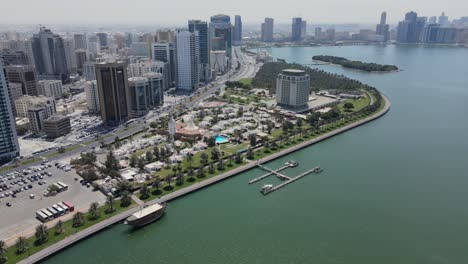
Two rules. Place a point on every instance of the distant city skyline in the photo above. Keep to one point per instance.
(125, 12)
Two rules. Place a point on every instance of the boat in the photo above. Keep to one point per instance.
(266, 188)
(292, 163)
(146, 215)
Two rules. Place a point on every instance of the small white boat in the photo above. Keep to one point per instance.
(292, 163)
(266, 188)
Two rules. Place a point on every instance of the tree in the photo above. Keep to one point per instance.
(133, 161)
(149, 156)
(156, 153)
(89, 175)
(162, 153)
(348, 106)
(214, 154)
(240, 112)
(238, 158)
(220, 165)
(168, 180)
(204, 158)
(189, 160)
(78, 219)
(253, 140)
(157, 183)
(123, 186)
(21, 245)
(112, 164)
(141, 164)
(211, 168)
(180, 178)
(126, 199)
(144, 191)
(211, 141)
(117, 142)
(269, 126)
(59, 228)
(201, 172)
(61, 150)
(313, 119)
(153, 125)
(3, 257)
(110, 203)
(250, 155)
(94, 210)
(299, 122)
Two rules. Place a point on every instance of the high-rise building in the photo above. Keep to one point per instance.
(318, 33)
(49, 55)
(81, 56)
(292, 88)
(219, 61)
(10, 57)
(267, 30)
(383, 28)
(139, 91)
(80, 41)
(92, 96)
(444, 20)
(24, 74)
(50, 88)
(89, 71)
(187, 54)
(221, 32)
(70, 56)
(165, 36)
(21, 47)
(437, 34)
(112, 81)
(237, 30)
(410, 30)
(9, 147)
(102, 39)
(331, 34)
(15, 92)
(432, 20)
(296, 29)
(303, 29)
(204, 47)
(165, 52)
(156, 89)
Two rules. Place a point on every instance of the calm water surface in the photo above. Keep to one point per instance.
(393, 191)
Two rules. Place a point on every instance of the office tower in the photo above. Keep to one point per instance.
(70, 55)
(143, 66)
(102, 39)
(303, 29)
(26, 102)
(165, 52)
(165, 36)
(119, 40)
(437, 34)
(57, 126)
(89, 71)
(24, 74)
(139, 92)
(204, 47)
(49, 55)
(80, 41)
(10, 57)
(50, 88)
(433, 20)
(81, 56)
(187, 55)
(330, 33)
(92, 97)
(296, 30)
(410, 30)
(221, 29)
(219, 61)
(237, 30)
(383, 28)
(18, 47)
(318, 33)
(156, 89)
(15, 92)
(9, 147)
(292, 88)
(267, 30)
(112, 81)
(444, 20)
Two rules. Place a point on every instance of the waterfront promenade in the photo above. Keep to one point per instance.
(197, 186)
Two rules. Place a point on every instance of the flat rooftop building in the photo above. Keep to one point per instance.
(57, 126)
(292, 88)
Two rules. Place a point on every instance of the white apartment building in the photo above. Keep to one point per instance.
(50, 88)
(92, 96)
(187, 54)
(292, 88)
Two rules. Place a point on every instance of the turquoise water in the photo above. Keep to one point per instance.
(221, 139)
(393, 191)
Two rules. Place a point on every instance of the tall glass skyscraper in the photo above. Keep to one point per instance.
(203, 46)
(297, 29)
(237, 30)
(9, 147)
(221, 35)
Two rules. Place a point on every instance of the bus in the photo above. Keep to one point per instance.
(64, 186)
(59, 187)
(69, 205)
(53, 211)
(41, 216)
(64, 207)
(58, 209)
(49, 215)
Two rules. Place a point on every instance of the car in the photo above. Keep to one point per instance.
(8, 204)
(31, 196)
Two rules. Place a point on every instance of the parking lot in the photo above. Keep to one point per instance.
(19, 202)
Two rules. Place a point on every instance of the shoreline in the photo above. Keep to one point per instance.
(73, 239)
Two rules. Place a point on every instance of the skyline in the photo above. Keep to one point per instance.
(124, 12)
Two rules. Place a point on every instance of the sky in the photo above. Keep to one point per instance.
(169, 12)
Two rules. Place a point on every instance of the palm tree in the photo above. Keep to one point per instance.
(189, 160)
(110, 203)
(21, 245)
(78, 219)
(126, 200)
(59, 228)
(157, 183)
(144, 191)
(169, 180)
(94, 210)
(180, 178)
(3, 257)
(42, 234)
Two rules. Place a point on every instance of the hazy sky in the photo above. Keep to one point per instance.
(252, 11)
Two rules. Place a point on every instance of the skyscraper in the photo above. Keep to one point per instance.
(383, 28)
(204, 47)
(410, 30)
(443, 20)
(221, 35)
(49, 55)
(112, 81)
(296, 30)
(9, 147)
(102, 39)
(237, 30)
(24, 74)
(433, 20)
(187, 54)
(165, 52)
(80, 41)
(303, 29)
(92, 97)
(267, 30)
(292, 88)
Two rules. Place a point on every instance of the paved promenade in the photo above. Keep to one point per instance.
(197, 186)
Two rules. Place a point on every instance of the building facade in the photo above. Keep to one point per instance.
(112, 82)
(296, 29)
(57, 126)
(50, 88)
(292, 88)
(204, 47)
(221, 35)
(237, 30)
(26, 102)
(24, 74)
(92, 97)
(383, 28)
(409, 30)
(267, 30)
(165, 52)
(9, 147)
(187, 50)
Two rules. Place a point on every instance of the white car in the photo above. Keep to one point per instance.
(31, 196)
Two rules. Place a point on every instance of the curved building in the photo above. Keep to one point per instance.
(292, 88)
(139, 91)
(156, 88)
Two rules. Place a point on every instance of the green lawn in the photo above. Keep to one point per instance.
(13, 257)
(246, 81)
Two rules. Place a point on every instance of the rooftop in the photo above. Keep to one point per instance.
(293, 72)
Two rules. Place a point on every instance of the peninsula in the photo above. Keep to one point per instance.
(358, 65)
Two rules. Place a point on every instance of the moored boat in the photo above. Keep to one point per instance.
(146, 215)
